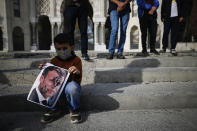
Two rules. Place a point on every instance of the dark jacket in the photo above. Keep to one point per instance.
(113, 6)
(145, 5)
(82, 3)
(34, 96)
(166, 8)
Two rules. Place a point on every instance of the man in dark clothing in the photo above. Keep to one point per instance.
(171, 15)
(118, 9)
(77, 9)
(148, 21)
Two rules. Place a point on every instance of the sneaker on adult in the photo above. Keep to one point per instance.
(173, 52)
(110, 56)
(50, 116)
(162, 51)
(120, 56)
(154, 52)
(85, 57)
(75, 116)
(145, 53)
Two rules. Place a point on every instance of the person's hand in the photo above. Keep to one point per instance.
(121, 6)
(41, 65)
(181, 19)
(162, 19)
(120, 9)
(151, 12)
(73, 70)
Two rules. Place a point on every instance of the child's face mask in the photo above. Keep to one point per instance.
(64, 54)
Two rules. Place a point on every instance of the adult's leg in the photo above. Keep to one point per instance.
(123, 28)
(167, 26)
(70, 21)
(174, 32)
(83, 25)
(114, 18)
(73, 92)
(152, 28)
(143, 27)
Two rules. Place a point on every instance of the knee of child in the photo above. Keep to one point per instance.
(71, 88)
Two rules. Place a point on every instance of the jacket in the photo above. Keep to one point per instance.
(145, 6)
(166, 8)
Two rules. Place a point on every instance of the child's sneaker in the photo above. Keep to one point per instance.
(75, 116)
(50, 116)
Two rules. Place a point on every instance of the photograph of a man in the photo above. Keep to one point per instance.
(49, 85)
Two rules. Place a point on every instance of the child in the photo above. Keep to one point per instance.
(67, 59)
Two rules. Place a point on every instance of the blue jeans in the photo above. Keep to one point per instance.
(73, 93)
(114, 18)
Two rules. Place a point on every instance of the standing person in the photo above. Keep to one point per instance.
(66, 59)
(118, 9)
(77, 10)
(171, 15)
(148, 22)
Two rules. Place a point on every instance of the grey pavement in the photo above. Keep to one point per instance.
(114, 96)
(124, 120)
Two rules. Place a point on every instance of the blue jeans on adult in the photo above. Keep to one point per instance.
(114, 18)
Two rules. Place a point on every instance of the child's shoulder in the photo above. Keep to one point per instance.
(77, 58)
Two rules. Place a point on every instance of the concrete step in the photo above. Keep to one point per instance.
(110, 75)
(113, 96)
(155, 74)
(159, 61)
(128, 120)
(98, 54)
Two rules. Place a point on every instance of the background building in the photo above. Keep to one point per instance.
(30, 25)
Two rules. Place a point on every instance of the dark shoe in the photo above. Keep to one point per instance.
(50, 116)
(120, 56)
(75, 117)
(162, 51)
(173, 52)
(145, 53)
(110, 56)
(85, 57)
(154, 52)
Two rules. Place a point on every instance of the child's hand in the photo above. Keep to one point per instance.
(41, 65)
(73, 70)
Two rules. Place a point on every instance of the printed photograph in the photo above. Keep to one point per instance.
(48, 86)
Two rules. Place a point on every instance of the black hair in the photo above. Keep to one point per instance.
(63, 38)
(51, 68)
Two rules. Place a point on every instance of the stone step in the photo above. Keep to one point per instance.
(99, 54)
(116, 120)
(155, 74)
(130, 62)
(110, 75)
(113, 96)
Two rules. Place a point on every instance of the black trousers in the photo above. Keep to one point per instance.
(148, 23)
(173, 25)
(71, 14)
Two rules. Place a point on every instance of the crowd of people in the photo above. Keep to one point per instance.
(171, 15)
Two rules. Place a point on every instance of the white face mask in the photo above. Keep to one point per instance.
(64, 54)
